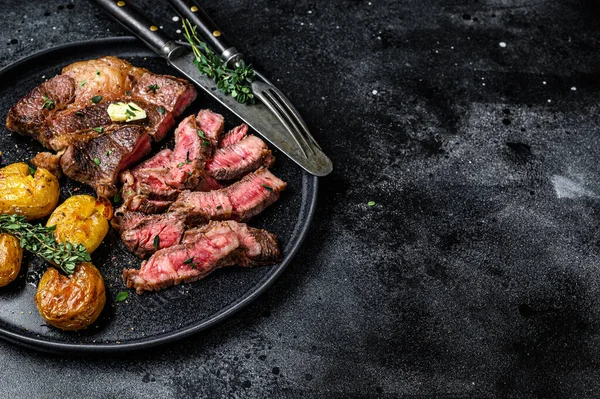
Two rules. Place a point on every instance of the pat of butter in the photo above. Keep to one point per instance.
(125, 112)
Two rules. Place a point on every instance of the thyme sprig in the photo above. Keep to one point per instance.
(39, 240)
(235, 82)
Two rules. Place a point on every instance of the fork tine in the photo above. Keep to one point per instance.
(267, 99)
(295, 114)
(285, 111)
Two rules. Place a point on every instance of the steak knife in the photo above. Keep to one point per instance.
(258, 116)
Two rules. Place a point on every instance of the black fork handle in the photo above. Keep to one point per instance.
(191, 10)
(131, 18)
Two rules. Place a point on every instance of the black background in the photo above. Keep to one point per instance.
(474, 127)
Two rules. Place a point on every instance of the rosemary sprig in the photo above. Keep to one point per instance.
(40, 240)
(235, 82)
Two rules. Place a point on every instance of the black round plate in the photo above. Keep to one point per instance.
(152, 318)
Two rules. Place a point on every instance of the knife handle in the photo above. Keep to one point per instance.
(131, 18)
(191, 10)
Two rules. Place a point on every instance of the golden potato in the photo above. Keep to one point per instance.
(71, 303)
(11, 255)
(82, 219)
(33, 196)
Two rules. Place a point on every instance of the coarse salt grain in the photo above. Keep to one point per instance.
(502, 44)
(374, 92)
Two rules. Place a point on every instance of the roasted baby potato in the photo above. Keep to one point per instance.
(33, 196)
(82, 219)
(71, 303)
(11, 255)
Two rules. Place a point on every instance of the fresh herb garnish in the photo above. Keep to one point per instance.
(156, 242)
(129, 113)
(121, 296)
(117, 198)
(190, 261)
(152, 88)
(205, 143)
(180, 164)
(371, 203)
(96, 99)
(128, 92)
(269, 188)
(98, 129)
(108, 152)
(97, 161)
(40, 240)
(201, 133)
(82, 83)
(219, 207)
(79, 113)
(235, 82)
(31, 170)
(161, 110)
(48, 102)
(97, 72)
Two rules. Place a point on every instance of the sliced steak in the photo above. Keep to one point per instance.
(234, 135)
(68, 112)
(169, 92)
(139, 232)
(240, 201)
(189, 155)
(98, 161)
(239, 158)
(211, 124)
(31, 114)
(217, 245)
(257, 246)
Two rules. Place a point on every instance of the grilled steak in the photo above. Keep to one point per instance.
(234, 135)
(240, 201)
(217, 245)
(98, 161)
(68, 112)
(239, 158)
(211, 124)
(139, 231)
(31, 114)
(165, 175)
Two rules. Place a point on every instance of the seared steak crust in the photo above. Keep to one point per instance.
(98, 161)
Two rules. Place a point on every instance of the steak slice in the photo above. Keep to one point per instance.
(211, 124)
(217, 245)
(139, 231)
(189, 155)
(30, 115)
(240, 201)
(257, 246)
(234, 135)
(239, 158)
(171, 93)
(98, 161)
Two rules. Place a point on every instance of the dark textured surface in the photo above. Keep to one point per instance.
(477, 272)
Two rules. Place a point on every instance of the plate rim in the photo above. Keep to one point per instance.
(211, 321)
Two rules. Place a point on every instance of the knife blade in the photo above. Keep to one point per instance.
(257, 115)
